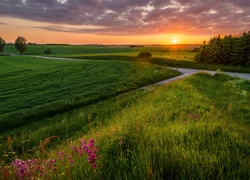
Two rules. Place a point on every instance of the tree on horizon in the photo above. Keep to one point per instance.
(2, 44)
(21, 44)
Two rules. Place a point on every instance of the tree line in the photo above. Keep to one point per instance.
(20, 44)
(229, 50)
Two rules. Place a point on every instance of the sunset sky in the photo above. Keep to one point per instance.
(122, 21)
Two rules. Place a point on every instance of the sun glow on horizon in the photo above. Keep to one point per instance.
(174, 41)
(35, 32)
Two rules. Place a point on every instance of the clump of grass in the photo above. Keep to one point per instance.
(237, 86)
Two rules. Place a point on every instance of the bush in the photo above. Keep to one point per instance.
(144, 55)
(47, 51)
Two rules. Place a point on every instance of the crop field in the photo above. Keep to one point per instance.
(32, 88)
(172, 55)
(177, 52)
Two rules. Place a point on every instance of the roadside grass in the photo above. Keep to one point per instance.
(194, 128)
(196, 65)
(33, 88)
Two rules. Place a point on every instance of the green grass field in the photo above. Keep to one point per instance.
(195, 128)
(171, 52)
(33, 88)
(173, 56)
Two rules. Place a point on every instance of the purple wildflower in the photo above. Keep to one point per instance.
(94, 165)
(89, 149)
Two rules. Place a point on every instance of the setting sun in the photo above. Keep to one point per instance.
(174, 41)
(103, 22)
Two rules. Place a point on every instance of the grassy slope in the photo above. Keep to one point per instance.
(159, 141)
(195, 128)
(34, 88)
(162, 138)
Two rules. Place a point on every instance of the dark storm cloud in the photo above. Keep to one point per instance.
(133, 17)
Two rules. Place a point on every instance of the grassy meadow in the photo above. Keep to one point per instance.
(80, 119)
(195, 128)
(33, 88)
(177, 52)
(169, 55)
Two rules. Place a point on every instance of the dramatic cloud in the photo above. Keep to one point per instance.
(133, 17)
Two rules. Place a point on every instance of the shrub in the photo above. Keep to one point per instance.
(47, 51)
(144, 55)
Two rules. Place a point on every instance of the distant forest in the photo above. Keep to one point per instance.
(229, 50)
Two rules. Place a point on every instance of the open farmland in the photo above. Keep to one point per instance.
(177, 52)
(171, 55)
(52, 110)
(124, 90)
(33, 88)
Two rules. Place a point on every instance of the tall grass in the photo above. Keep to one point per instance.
(195, 128)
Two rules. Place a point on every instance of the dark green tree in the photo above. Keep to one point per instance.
(230, 50)
(2, 44)
(227, 48)
(202, 55)
(246, 47)
(21, 44)
(237, 55)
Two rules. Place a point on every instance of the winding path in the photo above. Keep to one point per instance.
(187, 72)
